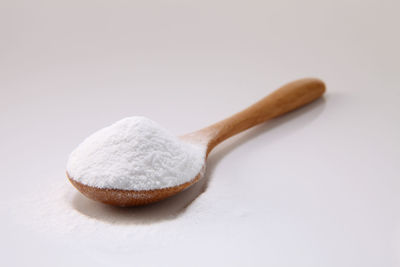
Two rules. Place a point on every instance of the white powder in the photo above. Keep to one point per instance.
(135, 153)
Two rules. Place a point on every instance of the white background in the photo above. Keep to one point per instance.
(318, 187)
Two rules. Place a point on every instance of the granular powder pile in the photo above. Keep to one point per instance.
(135, 153)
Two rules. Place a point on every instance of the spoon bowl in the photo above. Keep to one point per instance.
(128, 198)
(285, 99)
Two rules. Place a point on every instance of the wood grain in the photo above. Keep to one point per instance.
(285, 99)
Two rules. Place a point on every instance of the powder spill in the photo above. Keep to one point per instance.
(135, 153)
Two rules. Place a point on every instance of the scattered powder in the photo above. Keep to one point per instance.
(135, 153)
(59, 211)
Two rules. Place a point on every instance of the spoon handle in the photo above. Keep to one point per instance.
(287, 98)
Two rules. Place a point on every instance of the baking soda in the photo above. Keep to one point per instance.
(135, 153)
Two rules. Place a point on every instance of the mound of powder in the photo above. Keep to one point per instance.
(135, 153)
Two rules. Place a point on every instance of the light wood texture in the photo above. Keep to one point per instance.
(287, 98)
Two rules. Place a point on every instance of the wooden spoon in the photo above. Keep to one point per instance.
(287, 98)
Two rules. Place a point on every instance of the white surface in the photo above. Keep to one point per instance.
(319, 187)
